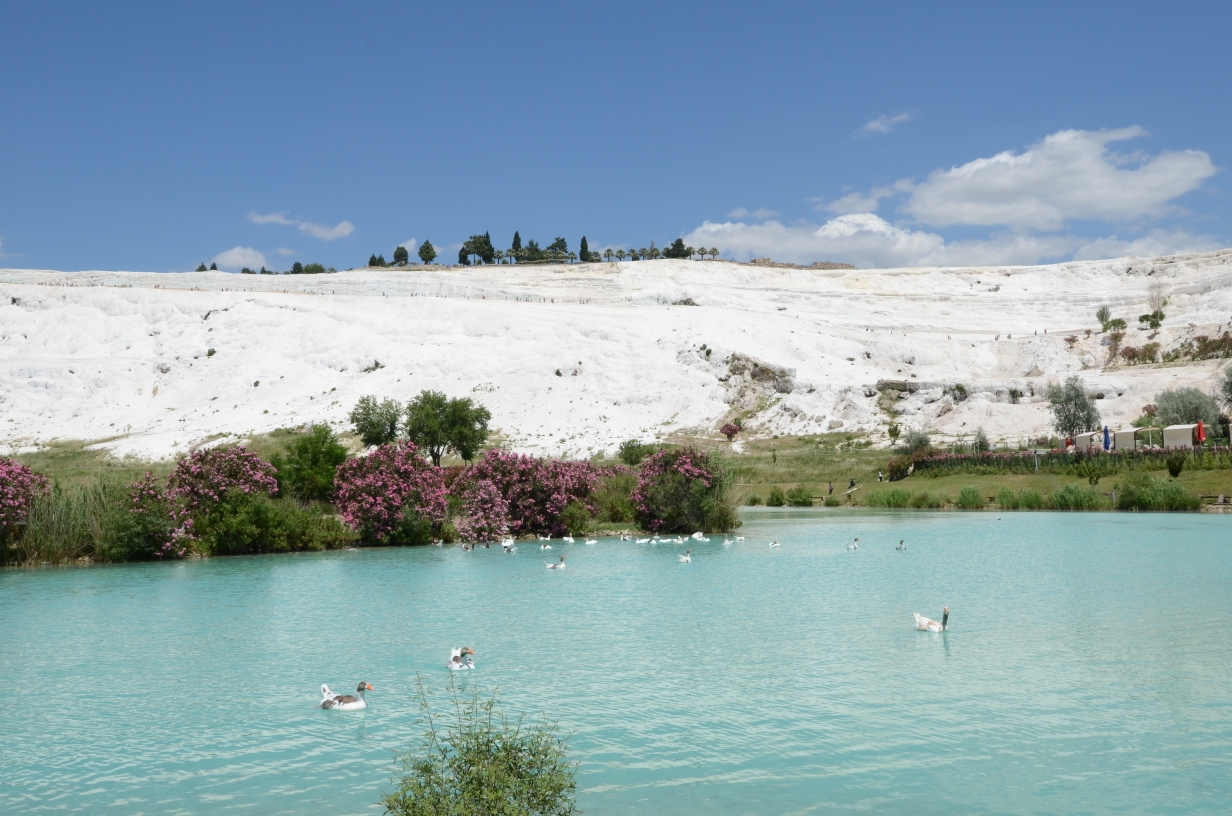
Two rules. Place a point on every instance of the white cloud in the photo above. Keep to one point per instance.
(410, 244)
(238, 257)
(1069, 175)
(860, 202)
(323, 231)
(759, 213)
(884, 123)
(283, 251)
(869, 241)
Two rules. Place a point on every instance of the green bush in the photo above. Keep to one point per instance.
(1007, 499)
(1141, 491)
(924, 499)
(255, 523)
(576, 518)
(1076, 497)
(800, 497)
(307, 471)
(633, 451)
(1030, 499)
(969, 499)
(481, 762)
(776, 498)
(753, 501)
(1176, 463)
(612, 498)
(832, 501)
(890, 498)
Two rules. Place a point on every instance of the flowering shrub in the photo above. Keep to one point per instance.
(204, 476)
(536, 491)
(151, 528)
(1057, 461)
(391, 495)
(682, 490)
(730, 430)
(19, 486)
(485, 513)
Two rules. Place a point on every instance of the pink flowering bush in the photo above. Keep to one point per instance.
(391, 496)
(681, 491)
(484, 513)
(536, 491)
(730, 430)
(204, 476)
(19, 487)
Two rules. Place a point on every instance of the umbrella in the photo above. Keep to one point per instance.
(1107, 439)
(1201, 432)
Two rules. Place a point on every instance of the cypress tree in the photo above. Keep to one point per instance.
(517, 241)
(584, 251)
(213, 267)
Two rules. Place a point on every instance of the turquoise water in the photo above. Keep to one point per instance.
(1088, 670)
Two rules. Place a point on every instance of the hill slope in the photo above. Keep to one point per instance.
(126, 356)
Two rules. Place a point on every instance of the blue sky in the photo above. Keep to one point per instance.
(156, 136)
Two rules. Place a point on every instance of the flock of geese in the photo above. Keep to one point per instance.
(460, 657)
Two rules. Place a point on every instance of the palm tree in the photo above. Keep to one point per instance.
(714, 253)
(691, 252)
(607, 254)
(621, 254)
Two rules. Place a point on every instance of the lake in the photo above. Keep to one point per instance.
(1088, 669)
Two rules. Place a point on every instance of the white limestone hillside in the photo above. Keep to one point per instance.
(124, 357)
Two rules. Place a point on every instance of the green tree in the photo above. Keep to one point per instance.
(202, 268)
(376, 422)
(297, 268)
(516, 246)
(1224, 389)
(427, 252)
(980, 443)
(1186, 406)
(438, 424)
(608, 254)
(558, 248)
(1103, 314)
(584, 251)
(464, 255)
(480, 762)
(213, 267)
(401, 256)
(307, 470)
(676, 249)
(1153, 320)
(1073, 412)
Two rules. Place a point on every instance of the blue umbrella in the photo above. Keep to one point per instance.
(1107, 439)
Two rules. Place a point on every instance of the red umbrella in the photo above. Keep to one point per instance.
(1201, 432)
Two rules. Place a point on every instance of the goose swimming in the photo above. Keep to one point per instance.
(344, 702)
(545, 546)
(545, 538)
(775, 544)
(455, 659)
(855, 545)
(568, 539)
(440, 542)
(687, 558)
(902, 545)
(590, 542)
(508, 546)
(643, 541)
(561, 565)
(929, 625)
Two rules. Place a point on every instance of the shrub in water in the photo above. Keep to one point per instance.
(19, 486)
(1076, 497)
(969, 499)
(753, 501)
(1007, 499)
(307, 471)
(537, 490)
(576, 518)
(613, 498)
(1141, 491)
(391, 495)
(200, 482)
(149, 529)
(925, 499)
(484, 512)
(683, 490)
(800, 497)
(478, 761)
(255, 523)
(776, 497)
(832, 501)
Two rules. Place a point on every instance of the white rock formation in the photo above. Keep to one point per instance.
(572, 360)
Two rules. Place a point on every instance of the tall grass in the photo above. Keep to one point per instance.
(969, 499)
(71, 522)
(1077, 497)
(1140, 491)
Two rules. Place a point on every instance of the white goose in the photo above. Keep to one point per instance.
(545, 546)
(559, 566)
(929, 625)
(726, 541)
(775, 544)
(455, 659)
(687, 558)
(643, 541)
(344, 702)
(568, 539)
(590, 542)
(509, 546)
(440, 542)
(545, 538)
(739, 538)
(902, 545)
(855, 545)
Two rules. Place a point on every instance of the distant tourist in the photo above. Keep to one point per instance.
(852, 486)
(879, 475)
(831, 489)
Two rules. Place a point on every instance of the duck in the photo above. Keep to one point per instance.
(643, 541)
(902, 545)
(929, 625)
(508, 546)
(855, 545)
(698, 536)
(440, 542)
(687, 558)
(590, 542)
(560, 565)
(545, 538)
(726, 541)
(344, 702)
(545, 546)
(455, 659)
(568, 539)
(626, 537)
(739, 538)
(775, 544)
